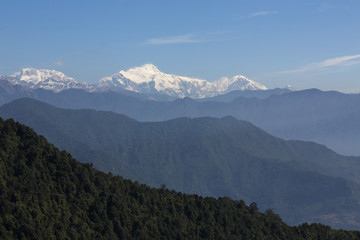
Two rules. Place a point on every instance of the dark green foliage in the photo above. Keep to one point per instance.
(46, 194)
(302, 181)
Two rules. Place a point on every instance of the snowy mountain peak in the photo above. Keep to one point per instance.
(238, 82)
(46, 79)
(149, 79)
(32, 75)
(150, 68)
(145, 73)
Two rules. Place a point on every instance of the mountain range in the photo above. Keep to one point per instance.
(147, 79)
(46, 194)
(326, 117)
(302, 181)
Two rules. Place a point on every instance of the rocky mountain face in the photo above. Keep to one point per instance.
(147, 79)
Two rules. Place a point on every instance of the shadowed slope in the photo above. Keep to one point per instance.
(45, 194)
(208, 156)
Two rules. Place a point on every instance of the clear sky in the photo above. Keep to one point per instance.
(304, 44)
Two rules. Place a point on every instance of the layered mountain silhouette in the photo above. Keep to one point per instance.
(329, 118)
(302, 181)
(46, 194)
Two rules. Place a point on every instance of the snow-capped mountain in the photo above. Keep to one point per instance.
(46, 79)
(149, 79)
(238, 82)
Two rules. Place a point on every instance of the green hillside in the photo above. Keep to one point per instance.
(302, 181)
(46, 194)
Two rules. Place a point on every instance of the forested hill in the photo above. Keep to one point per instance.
(46, 194)
(302, 181)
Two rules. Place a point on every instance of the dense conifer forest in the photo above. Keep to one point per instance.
(301, 181)
(46, 194)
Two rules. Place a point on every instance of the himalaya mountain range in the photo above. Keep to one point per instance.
(329, 118)
(326, 117)
(221, 156)
(147, 79)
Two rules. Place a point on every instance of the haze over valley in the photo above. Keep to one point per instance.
(179, 120)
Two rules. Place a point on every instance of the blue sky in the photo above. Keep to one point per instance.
(304, 44)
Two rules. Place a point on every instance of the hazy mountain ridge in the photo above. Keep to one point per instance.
(207, 156)
(47, 194)
(146, 79)
(231, 96)
(326, 117)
